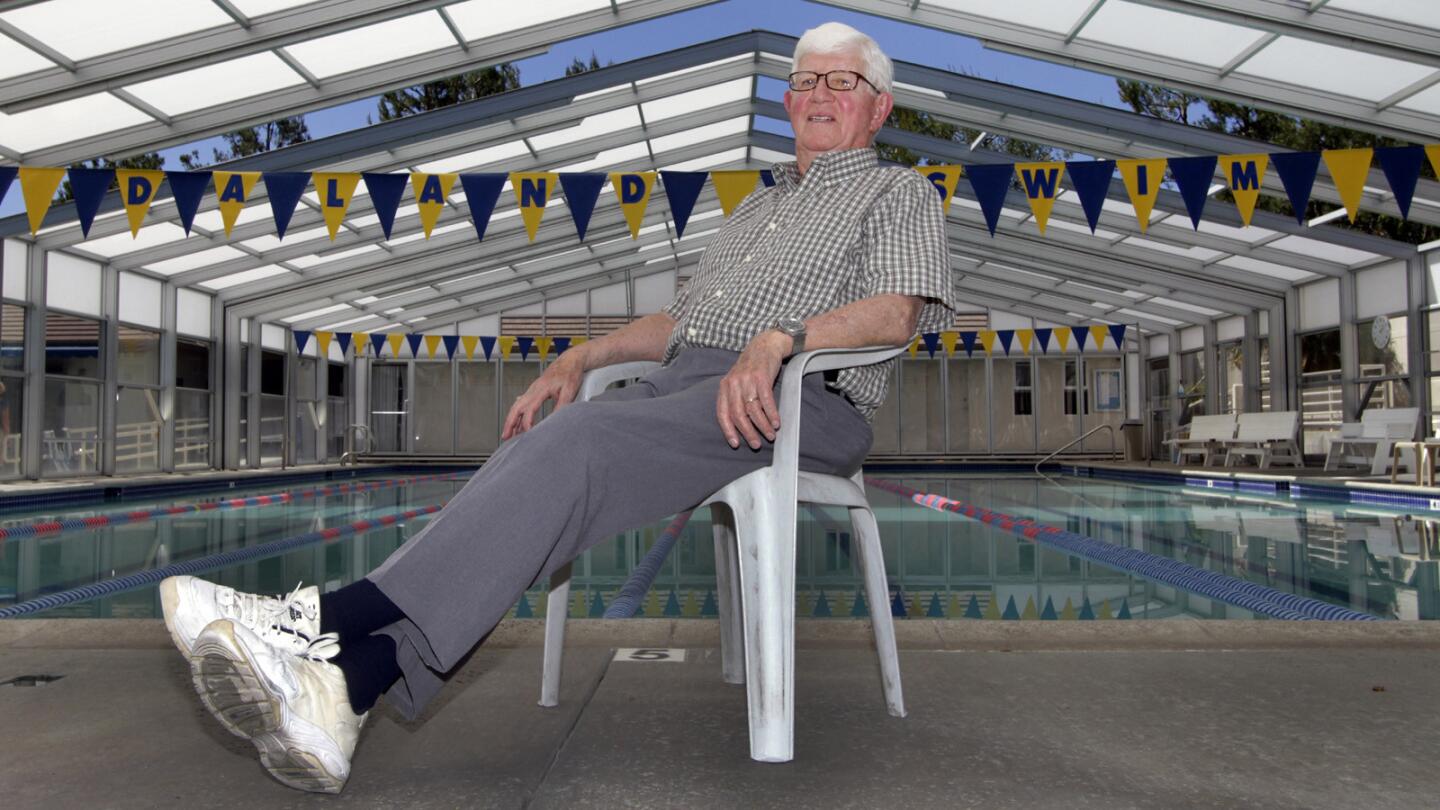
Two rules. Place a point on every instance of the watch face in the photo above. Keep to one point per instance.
(791, 326)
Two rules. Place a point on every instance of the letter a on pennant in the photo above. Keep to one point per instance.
(430, 193)
(336, 190)
(633, 191)
(232, 191)
(532, 192)
(1142, 181)
(137, 191)
(1041, 183)
(1244, 174)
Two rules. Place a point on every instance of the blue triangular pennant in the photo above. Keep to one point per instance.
(967, 339)
(709, 608)
(672, 605)
(1194, 175)
(343, 338)
(897, 605)
(1124, 609)
(1010, 614)
(451, 343)
(88, 187)
(1117, 333)
(822, 607)
(1297, 172)
(597, 607)
(560, 344)
(414, 340)
(1087, 613)
(1006, 337)
(7, 176)
(581, 192)
(991, 183)
(932, 342)
(935, 610)
(524, 344)
(1049, 614)
(1042, 335)
(1401, 165)
(385, 193)
(488, 344)
(522, 608)
(481, 192)
(860, 608)
(302, 337)
(972, 610)
(284, 190)
(377, 342)
(1081, 334)
(1091, 181)
(188, 189)
(682, 189)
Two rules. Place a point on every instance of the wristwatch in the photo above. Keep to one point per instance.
(795, 328)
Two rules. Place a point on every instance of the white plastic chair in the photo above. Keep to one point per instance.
(754, 527)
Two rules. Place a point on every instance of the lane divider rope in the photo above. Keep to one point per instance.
(47, 528)
(627, 602)
(140, 579)
(1250, 596)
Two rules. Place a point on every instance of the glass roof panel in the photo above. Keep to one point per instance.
(401, 38)
(80, 29)
(1188, 307)
(1270, 269)
(1409, 12)
(256, 8)
(1050, 15)
(681, 103)
(254, 274)
(476, 159)
(478, 19)
(315, 313)
(152, 235)
(1425, 101)
(211, 221)
(628, 156)
(217, 83)
(1323, 250)
(768, 156)
(1182, 36)
(1250, 235)
(1150, 316)
(305, 262)
(695, 135)
(1197, 253)
(591, 126)
(17, 60)
(66, 121)
(192, 261)
(270, 241)
(1330, 69)
(744, 57)
(715, 161)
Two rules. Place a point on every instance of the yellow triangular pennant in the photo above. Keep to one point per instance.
(543, 345)
(1433, 151)
(1041, 184)
(1349, 168)
(532, 191)
(1142, 182)
(632, 189)
(948, 340)
(395, 340)
(1023, 337)
(430, 193)
(1097, 335)
(992, 609)
(38, 187)
(1104, 612)
(1067, 613)
(987, 339)
(232, 191)
(733, 186)
(1244, 174)
(945, 179)
(469, 341)
(432, 342)
(507, 343)
(137, 189)
(322, 339)
(1062, 336)
(914, 347)
(336, 189)
(1029, 614)
(360, 343)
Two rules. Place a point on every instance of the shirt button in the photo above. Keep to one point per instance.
(719, 293)
(690, 332)
(747, 260)
(771, 226)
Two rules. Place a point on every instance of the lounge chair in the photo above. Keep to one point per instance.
(1206, 439)
(1368, 442)
(1270, 437)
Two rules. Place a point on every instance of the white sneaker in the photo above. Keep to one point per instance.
(190, 604)
(294, 708)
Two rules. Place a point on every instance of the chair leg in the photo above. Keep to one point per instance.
(765, 529)
(727, 595)
(557, 607)
(872, 562)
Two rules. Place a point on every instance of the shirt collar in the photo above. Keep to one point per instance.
(827, 169)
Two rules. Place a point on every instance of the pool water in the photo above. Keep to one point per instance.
(1372, 560)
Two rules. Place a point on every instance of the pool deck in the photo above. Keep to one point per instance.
(1001, 715)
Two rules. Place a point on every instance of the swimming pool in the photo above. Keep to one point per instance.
(1047, 548)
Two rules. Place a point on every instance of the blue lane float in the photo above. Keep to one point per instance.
(627, 602)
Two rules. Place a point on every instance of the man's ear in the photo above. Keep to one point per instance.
(788, 101)
(883, 105)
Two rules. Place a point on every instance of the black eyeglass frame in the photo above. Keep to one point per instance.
(790, 80)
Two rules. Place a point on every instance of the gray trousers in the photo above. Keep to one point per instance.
(592, 469)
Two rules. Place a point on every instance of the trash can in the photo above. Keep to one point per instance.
(1133, 435)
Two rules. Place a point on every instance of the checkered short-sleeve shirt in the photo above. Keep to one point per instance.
(848, 229)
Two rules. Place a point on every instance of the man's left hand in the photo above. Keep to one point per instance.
(746, 405)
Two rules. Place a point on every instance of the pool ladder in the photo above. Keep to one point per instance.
(1114, 449)
(351, 455)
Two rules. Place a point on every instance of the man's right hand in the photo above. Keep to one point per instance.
(560, 382)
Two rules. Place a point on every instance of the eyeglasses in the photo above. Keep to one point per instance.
(839, 80)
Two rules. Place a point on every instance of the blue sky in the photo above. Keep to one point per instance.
(902, 41)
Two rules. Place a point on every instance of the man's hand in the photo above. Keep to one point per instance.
(746, 404)
(560, 382)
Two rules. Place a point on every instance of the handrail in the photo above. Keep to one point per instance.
(351, 455)
(1114, 449)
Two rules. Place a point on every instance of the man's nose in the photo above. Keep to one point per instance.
(822, 91)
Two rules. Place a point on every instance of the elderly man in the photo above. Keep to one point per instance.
(840, 252)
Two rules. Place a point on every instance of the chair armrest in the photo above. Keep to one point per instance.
(787, 441)
(597, 380)
(1399, 430)
(1351, 429)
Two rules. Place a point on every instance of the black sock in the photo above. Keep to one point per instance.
(370, 668)
(356, 610)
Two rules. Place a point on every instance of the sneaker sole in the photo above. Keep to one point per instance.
(236, 696)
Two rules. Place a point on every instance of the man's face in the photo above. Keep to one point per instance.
(828, 120)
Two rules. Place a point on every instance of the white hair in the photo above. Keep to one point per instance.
(835, 37)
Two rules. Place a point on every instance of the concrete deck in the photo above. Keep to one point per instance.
(1001, 714)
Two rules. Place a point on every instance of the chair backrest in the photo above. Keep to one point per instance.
(1265, 427)
(1212, 428)
(1377, 422)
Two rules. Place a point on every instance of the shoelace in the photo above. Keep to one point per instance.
(273, 618)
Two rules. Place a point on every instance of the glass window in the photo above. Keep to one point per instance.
(12, 404)
(1321, 406)
(1192, 385)
(1071, 381)
(1232, 372)
(922, 401)
(192, 428)
(478, 430)
(192, 364)
(12, 337)
(337, 384)
(71, 431)
(434, 408)
(969, 395)
(72, 345)
(272, 373)
(137, 430)
(305, 388)
(1264, 346)
(1024, 404)
(388, 402)
(138, 357)
(1383, 353)
(272, 429)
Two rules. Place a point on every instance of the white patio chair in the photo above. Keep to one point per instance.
(1206, 439)
(754, 528)
(1271, 437)
(1368, 442)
